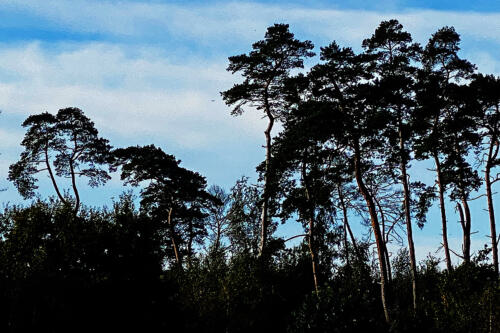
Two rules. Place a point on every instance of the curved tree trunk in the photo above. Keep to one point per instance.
(73, 176)
(52, 178)
(376, 230)
(73, 184)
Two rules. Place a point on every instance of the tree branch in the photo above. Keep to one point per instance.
(296, 236)
(458, 255)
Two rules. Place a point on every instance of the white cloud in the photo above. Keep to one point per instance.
(167, 98)
(147, 96)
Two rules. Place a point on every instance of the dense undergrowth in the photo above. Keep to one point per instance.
(105, 270)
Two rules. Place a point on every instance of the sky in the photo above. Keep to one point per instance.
(152, 72)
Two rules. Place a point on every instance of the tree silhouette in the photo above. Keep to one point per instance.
(218, 218)
(442, 68)
(264, 71)
(300, 166)
(66, 145)
(485, 97)
(174, 195)
(243, 218)
(393, 51)
(348, 109)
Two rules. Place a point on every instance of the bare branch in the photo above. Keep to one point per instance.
(458, 255)
(479, 196)
(296, 236)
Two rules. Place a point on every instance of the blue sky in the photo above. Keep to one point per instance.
(151, 72)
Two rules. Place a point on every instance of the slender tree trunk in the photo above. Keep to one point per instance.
(388, 263)
(440, 185)
(492, 154)
(468, 227)
(385, 237)
(346, 223)
(218, 235)
(52, 178)
(376, 229)
(264, 219)
(312, 251)
(346, 248)
(73, 176)
(190, 245)
(172, 238)
(409, 232)
(311, 236)
(464, 212)
(73, 184)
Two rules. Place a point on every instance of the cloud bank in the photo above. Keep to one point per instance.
(151, 72)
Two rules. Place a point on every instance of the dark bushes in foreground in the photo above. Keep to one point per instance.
(104, 271)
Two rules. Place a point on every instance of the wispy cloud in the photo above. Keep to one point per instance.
(155, 72)
(176, 95)
(144, 94)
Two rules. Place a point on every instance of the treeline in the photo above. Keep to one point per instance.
(192, 258)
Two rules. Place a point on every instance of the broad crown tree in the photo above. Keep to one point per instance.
(174, 195)
(66, 145)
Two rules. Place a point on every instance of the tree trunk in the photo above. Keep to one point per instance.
(346, 223)
(73, 176)
(411, 246)
(388, 263)
(73, 184)
(346, 247)
(440, 185)
(264, 219)
(190, 245)
(218, 235)
(492, 154)
(52, 178)
(312, 251)
(385, 238)
(312, 234)
(172, 237)
(376, 229)
(468, 227)
(464, 212)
